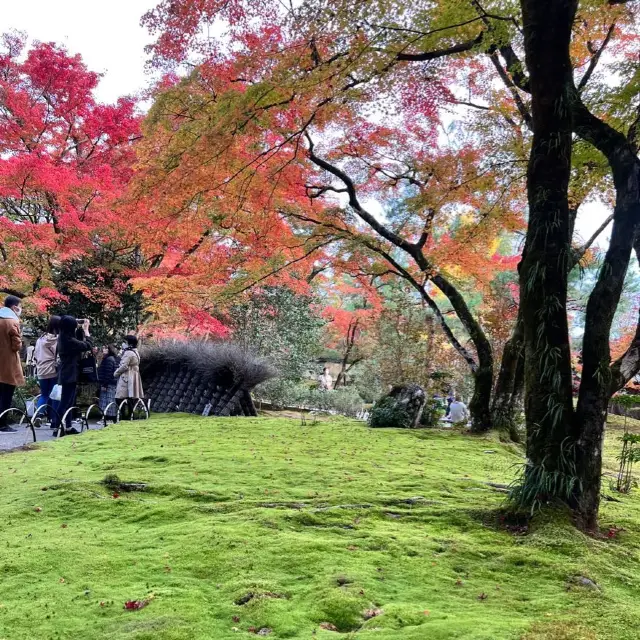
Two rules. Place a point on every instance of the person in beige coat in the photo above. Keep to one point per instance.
(11, 375)
(129, 385)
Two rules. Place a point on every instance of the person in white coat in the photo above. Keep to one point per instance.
(458, 412)
(129, 385)
(325, 380)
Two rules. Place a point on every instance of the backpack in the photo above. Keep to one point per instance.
(87, 369)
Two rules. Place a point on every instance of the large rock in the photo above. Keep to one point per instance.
(402, 407)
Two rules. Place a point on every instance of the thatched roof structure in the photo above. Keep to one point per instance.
(191, 376)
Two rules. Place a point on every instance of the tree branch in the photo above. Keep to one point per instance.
(511, 86)
(430, 302)
(355, 204)
(13, 292)
(593, 63)
(628, 364)
(441, 53)
(284, 266)
(578, 253)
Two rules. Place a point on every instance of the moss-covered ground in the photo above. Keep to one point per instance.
(254, 527)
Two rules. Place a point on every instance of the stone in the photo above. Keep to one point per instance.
(402, 407)
(585, 582)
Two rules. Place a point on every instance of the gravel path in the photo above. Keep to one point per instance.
(24, 436)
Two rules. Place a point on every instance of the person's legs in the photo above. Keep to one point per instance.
(107, 400)
(46, 387)
(6, 397)
(66, 402)
(125, 413)
(73, 392)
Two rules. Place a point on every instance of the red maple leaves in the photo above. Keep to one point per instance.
(66, 161)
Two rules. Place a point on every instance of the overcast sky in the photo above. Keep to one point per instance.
(111, 41)
(108, 35)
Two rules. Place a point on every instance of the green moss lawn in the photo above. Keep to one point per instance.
(263, 527)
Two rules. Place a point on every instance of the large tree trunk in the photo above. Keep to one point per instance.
(595, 387)
(509, 384)
(480, 405)
(547, 252)
(350, 342)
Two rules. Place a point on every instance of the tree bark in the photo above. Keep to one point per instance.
(480, 405)
(547, 252)
(351, 340)
(509, 389)
(597, 373)
(509, 383)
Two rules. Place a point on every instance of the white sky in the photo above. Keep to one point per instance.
(108, 35)
(111, 41)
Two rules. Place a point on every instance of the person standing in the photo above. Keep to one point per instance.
(129, 385)
(29, 362)
(11, 375)
(325, 380)
(449, 402)
(107, 381)
(70, 349)
(44, 359)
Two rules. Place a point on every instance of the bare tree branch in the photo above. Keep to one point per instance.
(578, 252)
(593, 63)
(441, 53)
(511, 86)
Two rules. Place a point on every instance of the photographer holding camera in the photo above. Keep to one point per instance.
(73, 341)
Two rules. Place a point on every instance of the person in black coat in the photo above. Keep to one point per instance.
(110, 362)
(70, 349)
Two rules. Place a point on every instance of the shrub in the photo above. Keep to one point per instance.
(433, 411)
(282, 393)
(628, 456)
(388, 413)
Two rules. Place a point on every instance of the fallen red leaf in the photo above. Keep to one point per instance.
(136, 604)
(116, 495)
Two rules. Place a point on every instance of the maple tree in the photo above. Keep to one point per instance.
(409, 348)
(350, 311)
(351, 149)
(323, 80)
(250, 139)
(66, 161)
